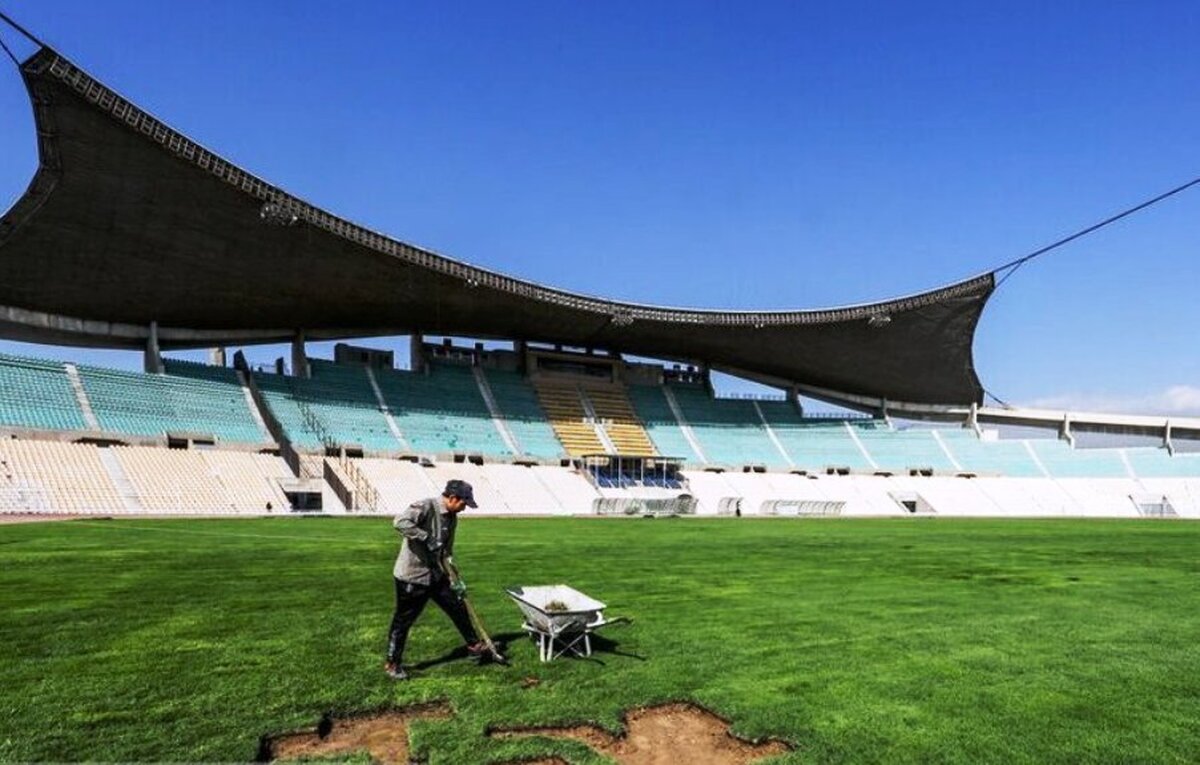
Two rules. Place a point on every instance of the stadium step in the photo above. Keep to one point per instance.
(85, 406)
(254, 412)
(485, 390)
(771, 435)
(861, 446)
(116, 473)
(684, 427)
(387, 411)
(594, 420)
(946, 450)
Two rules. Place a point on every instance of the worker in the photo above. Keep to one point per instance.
(421, 574)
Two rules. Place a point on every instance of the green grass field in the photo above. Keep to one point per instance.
(916, 641)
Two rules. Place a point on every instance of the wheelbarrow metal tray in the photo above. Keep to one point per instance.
(581, 612)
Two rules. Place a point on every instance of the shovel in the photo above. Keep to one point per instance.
(457, 584)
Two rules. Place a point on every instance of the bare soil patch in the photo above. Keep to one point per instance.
(383, 735)
(663, 735)
(35, 517)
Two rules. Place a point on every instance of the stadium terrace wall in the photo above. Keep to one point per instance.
(128, 223)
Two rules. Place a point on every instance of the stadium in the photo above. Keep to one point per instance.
(957, 577)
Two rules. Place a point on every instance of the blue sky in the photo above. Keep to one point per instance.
(749, 155)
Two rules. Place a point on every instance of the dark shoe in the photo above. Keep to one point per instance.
(395, 671)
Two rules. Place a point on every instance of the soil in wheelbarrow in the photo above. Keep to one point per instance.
(662, 735)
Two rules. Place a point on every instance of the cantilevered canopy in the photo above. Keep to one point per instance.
(127, 222)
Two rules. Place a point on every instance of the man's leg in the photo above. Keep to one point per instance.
(452, 604)
(410, 600)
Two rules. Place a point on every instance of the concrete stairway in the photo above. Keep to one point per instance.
(569, 418)
(85, 406)
(116, 473)
(615, 414)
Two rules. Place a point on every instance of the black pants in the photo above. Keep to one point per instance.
(410, 601)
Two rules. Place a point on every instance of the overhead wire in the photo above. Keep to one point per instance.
(10, 53)
(1014, 265)
(20, 30)
(1003, 404)
(29, 35)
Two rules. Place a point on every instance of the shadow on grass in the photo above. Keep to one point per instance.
(460, 652)
(600, 645)
(504, 640)
(609, 646)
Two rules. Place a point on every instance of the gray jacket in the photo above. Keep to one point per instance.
(423, 521)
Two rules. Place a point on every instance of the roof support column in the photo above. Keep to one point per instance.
(1167, 442)
(299, 356)
(521, 348)
(1064, 430)
(973, 419)
(216, 356)
(793, 397)
(416, 352)
(152, 357)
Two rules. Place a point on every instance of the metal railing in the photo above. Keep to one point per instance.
(665, 506)
(313, 422)
(802, 508)
(366, 495)
(360, 494)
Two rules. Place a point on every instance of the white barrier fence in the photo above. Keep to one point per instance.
(683, 505)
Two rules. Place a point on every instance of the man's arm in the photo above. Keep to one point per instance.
(408, 523)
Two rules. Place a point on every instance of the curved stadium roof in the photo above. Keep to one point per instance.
(128, 222)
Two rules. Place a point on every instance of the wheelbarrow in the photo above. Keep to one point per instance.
(560, 619)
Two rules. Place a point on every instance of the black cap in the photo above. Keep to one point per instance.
(462, 490)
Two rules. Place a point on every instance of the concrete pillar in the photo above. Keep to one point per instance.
(1167, 442)
(1064, 431)
(152, 358)
(416, 352)
(973, 419)
(793, 397)
(521, 348)
(216, 356)
(299, 356)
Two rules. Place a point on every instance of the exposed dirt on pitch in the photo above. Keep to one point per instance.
(662, 735)
(35, 517)
(383, 735)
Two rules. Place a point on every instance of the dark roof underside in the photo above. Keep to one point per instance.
(128, 222)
